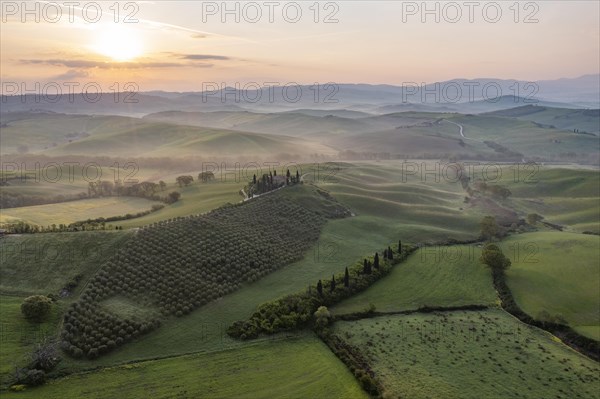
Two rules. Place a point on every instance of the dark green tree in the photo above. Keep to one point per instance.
(36, 307)
(322, 317)
(489, 228)
(173, 197)
(376, 261)
(332, 286)
(320, 287)
(184, 180)
(346, 278)
(390, 253)
(533, 218)
(399, 246)
(493, 257)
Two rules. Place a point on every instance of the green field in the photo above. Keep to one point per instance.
(73, 211)
(530, 139)
(337, 248)
(296, 135)
(386, 208)
(396, 204)
(18, 336)
(297, 368)
(43, 263)
(119, 136)
(196, 198)
(564, 196)
(557, 273)
(561, 118)
(432, 276)
(478, 355)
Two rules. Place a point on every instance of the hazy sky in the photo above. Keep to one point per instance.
(181, 45)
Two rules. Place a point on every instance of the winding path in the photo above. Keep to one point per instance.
(460, 128)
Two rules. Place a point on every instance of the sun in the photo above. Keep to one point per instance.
(118, 42)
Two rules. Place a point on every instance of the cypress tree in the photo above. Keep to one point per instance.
(376, 261)
(346, 278)
(332, 286)
(320, 287)
(365, 267)
(385, 254)
(399, 246)
(254, 179)
(297, 177)
(390, 253)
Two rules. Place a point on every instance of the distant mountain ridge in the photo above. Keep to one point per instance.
(457, 95)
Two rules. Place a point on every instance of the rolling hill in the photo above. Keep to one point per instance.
(60, 134)
(285, 123)
(584, 120)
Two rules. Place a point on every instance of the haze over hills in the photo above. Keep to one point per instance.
(61, 134)
(457, 95)
(515, 134)
(582, 120)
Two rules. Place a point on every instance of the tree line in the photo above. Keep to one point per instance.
(298, 310)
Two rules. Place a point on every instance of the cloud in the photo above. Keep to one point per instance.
(203, 57)
(72, 74)
(105, 65)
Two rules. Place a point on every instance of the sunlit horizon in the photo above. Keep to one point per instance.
(170, 48)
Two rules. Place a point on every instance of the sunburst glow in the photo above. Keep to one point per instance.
(118, 42)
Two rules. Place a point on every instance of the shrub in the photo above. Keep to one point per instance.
(92, 353)
(45, 356)
(35, 377)
(36, 307)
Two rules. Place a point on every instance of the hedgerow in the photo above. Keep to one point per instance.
(296, 310)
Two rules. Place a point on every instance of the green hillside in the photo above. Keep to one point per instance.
(432, 276)
(44, 263)
(123, 136)
(72, 211)
(298, 368)
(486, 354)
(564, 196)
(584, 120)
(557, 273)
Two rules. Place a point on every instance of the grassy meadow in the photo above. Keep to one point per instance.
(43, 263)
(479, 355)
(432, 276)
(387, 205)
(119, 136)
(73, 211)
(564, 196)
(296, 368)
(557, 273)
(19, 336)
